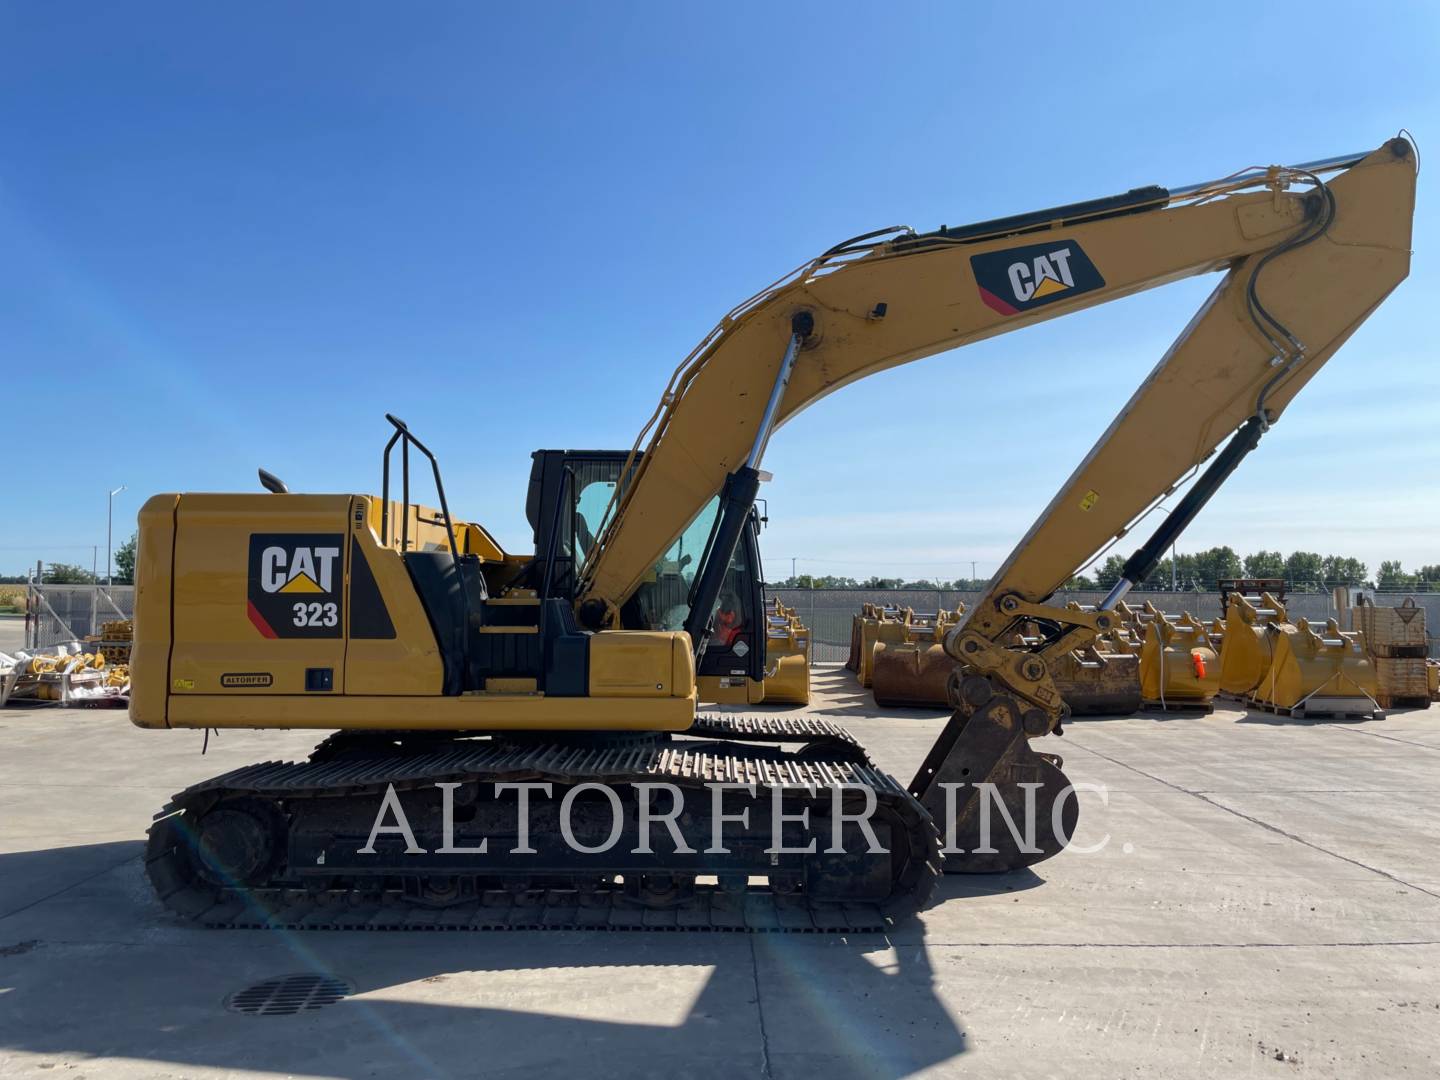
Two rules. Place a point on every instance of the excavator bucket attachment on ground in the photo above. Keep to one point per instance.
(1179, 666)
(1096, 681)
(857, 622)
(787, 657)
(1246, 646)
(887, 625)
(916, 671)
(911, 675)
(1324, 671)
(1103, 678)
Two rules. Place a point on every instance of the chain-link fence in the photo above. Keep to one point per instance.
(59, 613)
(828, 612)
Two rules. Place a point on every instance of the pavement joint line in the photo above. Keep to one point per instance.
(1388, 738)
(73, 885)
(1263, 824)
(760, 1013)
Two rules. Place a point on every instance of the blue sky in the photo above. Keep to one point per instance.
(236, 237)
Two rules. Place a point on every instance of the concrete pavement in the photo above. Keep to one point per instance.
(1267, 904)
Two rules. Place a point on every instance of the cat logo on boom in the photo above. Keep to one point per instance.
(295, 584)
(1023, 278)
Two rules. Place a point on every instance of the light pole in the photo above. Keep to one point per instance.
(109, 530)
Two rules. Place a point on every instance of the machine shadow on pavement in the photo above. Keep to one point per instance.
(91, 967)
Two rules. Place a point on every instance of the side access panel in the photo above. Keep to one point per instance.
(259, 595)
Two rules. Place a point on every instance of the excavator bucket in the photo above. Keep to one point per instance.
(857, 635)
(890, 625)
(787, 657)
(1324, 671)
(1102, 679)
(1179, 665)
(1246, 646)
(1096, 681)
(915, 672)
(911, 675)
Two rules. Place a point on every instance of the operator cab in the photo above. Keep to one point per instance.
(572, 493)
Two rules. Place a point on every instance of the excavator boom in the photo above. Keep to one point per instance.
(1315, 255)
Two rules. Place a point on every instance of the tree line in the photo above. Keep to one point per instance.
(72, 574)
(1198, 572)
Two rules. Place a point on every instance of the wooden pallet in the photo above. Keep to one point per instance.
(1319, 711)
(1200, 708)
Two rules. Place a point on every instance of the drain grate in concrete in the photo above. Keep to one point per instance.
(286, 995)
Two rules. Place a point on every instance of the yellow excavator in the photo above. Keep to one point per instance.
(508, 728)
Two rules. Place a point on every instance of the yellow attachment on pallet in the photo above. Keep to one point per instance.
(1178, 664)
(1324, 671)
(1246, 648)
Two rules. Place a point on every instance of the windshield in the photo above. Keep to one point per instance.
(665, 600)
(592, 510)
